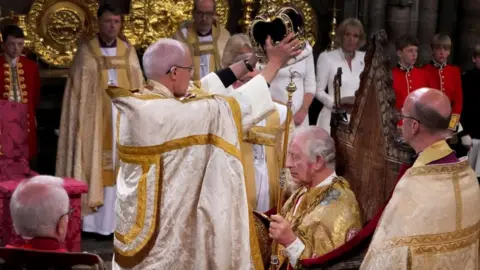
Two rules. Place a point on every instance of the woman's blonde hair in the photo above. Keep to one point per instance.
(350, 22)
(236, 45)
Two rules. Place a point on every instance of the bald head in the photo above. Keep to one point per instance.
(161, 56)
(431, 108)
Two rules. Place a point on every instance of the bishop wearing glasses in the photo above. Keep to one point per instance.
(182, 201)
(205, 38)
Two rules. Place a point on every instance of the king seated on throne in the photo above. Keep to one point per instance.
(323, 213)
(205, 38)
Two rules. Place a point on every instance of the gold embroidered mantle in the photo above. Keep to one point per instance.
(326, 217)
(431, 222)
(85, 143)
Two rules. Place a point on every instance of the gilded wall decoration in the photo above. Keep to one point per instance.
(56, 27)
(301, 5)
(150, 20)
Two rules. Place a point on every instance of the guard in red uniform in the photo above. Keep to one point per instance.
(445, 77)
(19, 79)
(406, 77)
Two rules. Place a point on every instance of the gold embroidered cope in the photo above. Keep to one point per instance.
(85, 139)
(432, 220)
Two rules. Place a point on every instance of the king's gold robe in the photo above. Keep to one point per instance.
(432, 220)
(323, 217)
(182, 200)
(206, 51)
(85, 139)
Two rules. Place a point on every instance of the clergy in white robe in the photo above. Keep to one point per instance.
(349, 59)
(181, 198)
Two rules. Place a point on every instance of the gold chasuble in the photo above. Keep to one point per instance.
(85, 139)
(432, 220)
(182, 201)
(211, 46)
(322, 217)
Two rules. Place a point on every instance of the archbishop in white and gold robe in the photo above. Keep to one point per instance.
(181, 197)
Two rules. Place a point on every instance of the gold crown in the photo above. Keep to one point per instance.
(277, 25)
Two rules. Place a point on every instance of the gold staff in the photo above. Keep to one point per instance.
(291, 88)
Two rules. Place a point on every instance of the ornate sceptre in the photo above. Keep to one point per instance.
(291, 88)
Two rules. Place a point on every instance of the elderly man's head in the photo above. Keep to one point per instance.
(168, 61)
(204, 15)
(426, 116)
(311, 155)
(39, 207)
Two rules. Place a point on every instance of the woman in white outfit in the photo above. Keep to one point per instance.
(305, 82)
(351, 37)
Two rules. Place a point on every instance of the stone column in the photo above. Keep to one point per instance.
(402, 19)
(427, 28)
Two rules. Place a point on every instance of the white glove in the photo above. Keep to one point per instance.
(467, 141)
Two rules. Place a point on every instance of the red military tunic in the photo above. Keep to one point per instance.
(26, 90)
(447, 78)
(405, 81)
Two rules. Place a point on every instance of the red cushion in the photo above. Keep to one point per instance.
(71, 185)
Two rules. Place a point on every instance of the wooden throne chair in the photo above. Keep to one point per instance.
(370, 150)
(370, 154)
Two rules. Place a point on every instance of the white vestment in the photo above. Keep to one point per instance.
(327, 66)
(103, 221)
(181, 196)
(304, 80)
(204, 58)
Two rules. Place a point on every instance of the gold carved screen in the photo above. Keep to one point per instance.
(54, 28)
(301, 5)
(150, 20)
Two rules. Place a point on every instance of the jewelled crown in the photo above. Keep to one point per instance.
(277, 25)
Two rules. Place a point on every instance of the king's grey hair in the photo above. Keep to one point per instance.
(317, 143)
(37, 204)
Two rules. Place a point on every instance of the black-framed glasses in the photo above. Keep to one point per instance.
(208, 14)
(401, 116)
(190, 69)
